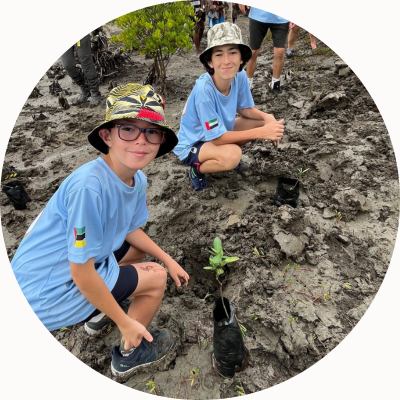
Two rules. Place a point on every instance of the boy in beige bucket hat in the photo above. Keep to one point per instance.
(81, 259)
(210, 136)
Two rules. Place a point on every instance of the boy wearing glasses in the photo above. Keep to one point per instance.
(81, 259)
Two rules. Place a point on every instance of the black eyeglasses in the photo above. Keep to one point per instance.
(129, 133)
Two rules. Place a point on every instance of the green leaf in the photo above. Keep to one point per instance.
(220, 271)
(217, 246)
(209, 268)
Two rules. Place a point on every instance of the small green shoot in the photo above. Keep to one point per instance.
(301, 173)
(217, 261)
(254, 316)
(243, 330)
(152, 386)
(338, 216)
(205, 344)
(292, 319)
(194, 374)
(256, 252)
(326, 296)
(240, 390)
(347, 285)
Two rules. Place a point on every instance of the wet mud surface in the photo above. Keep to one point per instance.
(317, 267)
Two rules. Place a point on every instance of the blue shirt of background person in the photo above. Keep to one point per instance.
(266, 17)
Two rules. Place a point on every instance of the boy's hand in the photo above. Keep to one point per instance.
(132, 333)
(273, 131)
(178, 274)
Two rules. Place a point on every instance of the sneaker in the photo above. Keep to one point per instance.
(101, 323)
(199, 183)
(242, 167)
(290, 55)
(277, 87)
(147, 353)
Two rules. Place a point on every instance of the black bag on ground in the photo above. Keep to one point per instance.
(287, 192)
(16, 193)
(229, 350)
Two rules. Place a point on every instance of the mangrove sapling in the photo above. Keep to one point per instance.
(301, 172)
(217, 261)
(152, 386)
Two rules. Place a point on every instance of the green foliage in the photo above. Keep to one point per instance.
(194, 374)
(158, 31)
(347, 285)
(292, 319)
(217, 259)
(240, 390)
(152, 386)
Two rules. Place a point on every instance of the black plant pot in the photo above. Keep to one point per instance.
(230, 353)
(16, 194)
(287, 192)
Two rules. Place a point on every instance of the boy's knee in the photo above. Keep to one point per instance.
(233, 156)
(161, 275)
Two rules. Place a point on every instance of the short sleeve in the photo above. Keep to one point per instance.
(245, 99)
(141, 214)
(211, 123)
(85, 231)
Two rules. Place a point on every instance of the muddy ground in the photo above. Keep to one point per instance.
(317, 271)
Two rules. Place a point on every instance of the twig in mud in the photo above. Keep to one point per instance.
(73, 341)
(280, 309)
(186, 381)
(295, 300)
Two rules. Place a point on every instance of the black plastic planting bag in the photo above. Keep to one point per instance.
(16, 194)
(287, 192)
(229, 350)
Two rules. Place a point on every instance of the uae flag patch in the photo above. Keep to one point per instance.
(80, 237)
(211, 124)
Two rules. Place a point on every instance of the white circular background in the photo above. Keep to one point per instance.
(35, 34)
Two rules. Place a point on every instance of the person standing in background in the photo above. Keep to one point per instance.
(293, 32)
(200, 17)
(87, 80)
(216, 13)
(260, 22)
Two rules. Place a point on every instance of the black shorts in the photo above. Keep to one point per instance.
(192, 160)
(127, 281)
(258, 31)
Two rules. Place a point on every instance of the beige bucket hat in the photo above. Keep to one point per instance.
(226, 33)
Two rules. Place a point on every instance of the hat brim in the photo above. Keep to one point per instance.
(245, 50)
(97, 142)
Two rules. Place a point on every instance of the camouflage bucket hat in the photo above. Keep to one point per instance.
(135, 101)
(226, 33)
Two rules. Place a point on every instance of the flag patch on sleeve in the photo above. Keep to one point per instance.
(80, 237)
(211, 124)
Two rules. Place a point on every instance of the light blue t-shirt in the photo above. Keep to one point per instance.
(265, 16)
(88, 217)
(208, 114)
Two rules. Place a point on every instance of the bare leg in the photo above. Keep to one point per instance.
(252, 63)
(147, 298)
(292, 37)
(279, 59)
(312, 40)
(198, 34)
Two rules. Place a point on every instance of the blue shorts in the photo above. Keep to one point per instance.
(212, 21)
(192, 160)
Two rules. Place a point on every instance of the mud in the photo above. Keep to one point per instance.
(318, 267)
